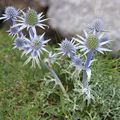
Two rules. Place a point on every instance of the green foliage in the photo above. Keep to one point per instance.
(25, 94)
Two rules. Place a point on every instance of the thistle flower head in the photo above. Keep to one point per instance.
(36, 44)
(96, 25)
(13, 31)
(92, 42)
(10, 13)
(68, 47)
(34, 48)
(30, 19)
(19, 43)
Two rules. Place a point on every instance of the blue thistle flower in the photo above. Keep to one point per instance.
(31, 19)
(89, 45)
(92, 42)
(19, 42)
(68, 47)
(34, 48)
(13, 31)
(97, 25)
(10, 13)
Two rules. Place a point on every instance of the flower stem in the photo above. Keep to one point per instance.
(89, 57)
(31, 33)
(58, 81)
(84, 80)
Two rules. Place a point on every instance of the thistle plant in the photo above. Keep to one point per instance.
(34, 46)
(93, 41)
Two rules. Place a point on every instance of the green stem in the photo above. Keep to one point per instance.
(58, 81)
(62, 103)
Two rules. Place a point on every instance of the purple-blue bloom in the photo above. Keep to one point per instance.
(34, 47)
(19, 42)
(68, 47)
(97, 25)
(30, 19)
(10, 13)
(92, 42)
(13, 31)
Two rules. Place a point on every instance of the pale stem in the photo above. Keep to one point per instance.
(58, 81)
(84, 80)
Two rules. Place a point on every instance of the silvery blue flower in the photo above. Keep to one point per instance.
(13, 31)
(10, 13)
(34, 47)
(19, 42)
(89, 45)
(96, 25)
(68, 47)
(92, 42)
(31, 19)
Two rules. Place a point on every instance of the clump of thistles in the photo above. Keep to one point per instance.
(34, 45)
(95, 40)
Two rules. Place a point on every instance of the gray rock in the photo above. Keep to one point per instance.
(71, 16)
(43, 3)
